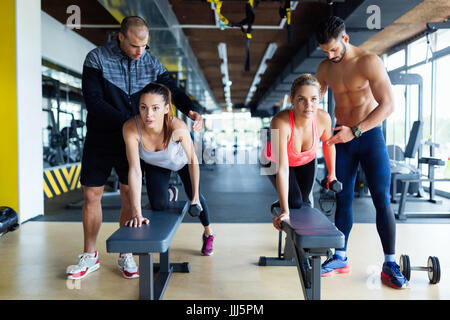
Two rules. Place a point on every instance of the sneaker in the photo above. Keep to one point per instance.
(173, 193)
(207, 248)
(128, 266)
(88, 263)
(335, 265)
(392, 277)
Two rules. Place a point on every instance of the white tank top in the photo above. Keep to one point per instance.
(173, 158)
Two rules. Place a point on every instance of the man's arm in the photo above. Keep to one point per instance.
(380, 85)
(93, 94)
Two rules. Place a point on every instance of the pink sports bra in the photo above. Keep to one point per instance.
(296, 158)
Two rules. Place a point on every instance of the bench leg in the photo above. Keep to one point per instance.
(164, 261)
(286, 258)
(303, 273)
(166, 266)
(146, 291)
(309, 267)
(164, 270)
(316, 267)
(153, 289)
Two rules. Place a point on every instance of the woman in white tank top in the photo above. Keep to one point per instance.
(163, 144)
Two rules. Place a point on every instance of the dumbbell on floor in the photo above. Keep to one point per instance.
(433, 268)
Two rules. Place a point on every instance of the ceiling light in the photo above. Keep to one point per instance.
(270, 51)
(222, 49)
(262, 68)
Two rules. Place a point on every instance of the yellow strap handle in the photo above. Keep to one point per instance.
(218, 8)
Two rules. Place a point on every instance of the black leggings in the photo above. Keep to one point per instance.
(157, 182)
(301, 180)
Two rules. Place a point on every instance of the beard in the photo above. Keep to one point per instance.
(344, 50)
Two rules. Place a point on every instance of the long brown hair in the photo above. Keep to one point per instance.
(164, 92)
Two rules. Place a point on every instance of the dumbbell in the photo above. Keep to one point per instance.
(433, 268)
(335, 185)
(275, 208)
(195, 210)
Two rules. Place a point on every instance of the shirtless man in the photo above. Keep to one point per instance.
(363, 97)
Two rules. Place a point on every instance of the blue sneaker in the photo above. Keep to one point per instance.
(335, 265)
(392, 277)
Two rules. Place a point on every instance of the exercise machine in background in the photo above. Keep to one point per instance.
(404, 177)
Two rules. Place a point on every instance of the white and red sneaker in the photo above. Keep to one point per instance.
(89, 262)
(128, 266)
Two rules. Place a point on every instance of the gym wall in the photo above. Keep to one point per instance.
(21, 181)
(62, 45)
(9, 195)
(29, 105)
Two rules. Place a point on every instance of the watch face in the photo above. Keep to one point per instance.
(356, 132)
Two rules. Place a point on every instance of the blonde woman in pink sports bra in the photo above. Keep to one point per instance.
(299, 131)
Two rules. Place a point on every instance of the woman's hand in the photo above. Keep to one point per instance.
(195, 198)
(277, 220)
(195, 209)
(330, 179)
(136, 221)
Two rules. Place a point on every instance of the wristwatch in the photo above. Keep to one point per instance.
(356, 132)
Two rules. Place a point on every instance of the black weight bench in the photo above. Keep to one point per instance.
(310, 235)
(148, 239)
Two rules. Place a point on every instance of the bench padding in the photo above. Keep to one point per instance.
(154, 237)
(311, 229)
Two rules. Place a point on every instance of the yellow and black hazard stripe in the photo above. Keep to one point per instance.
(58, 180)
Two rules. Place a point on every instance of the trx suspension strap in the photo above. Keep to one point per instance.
(249, 19)
(286, 13)
(218, 4)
